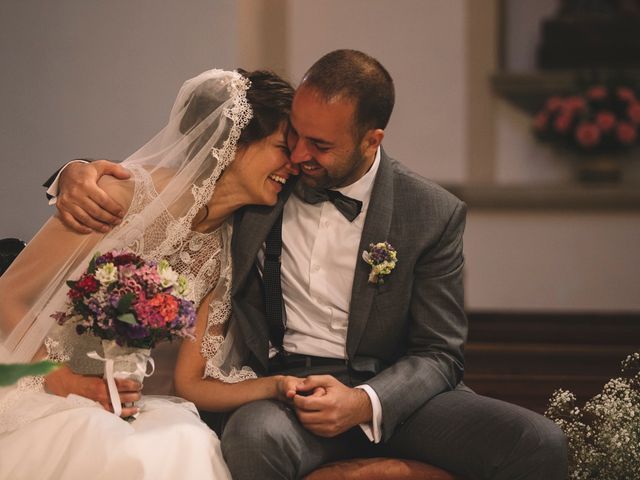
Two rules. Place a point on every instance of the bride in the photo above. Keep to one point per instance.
(224, 147)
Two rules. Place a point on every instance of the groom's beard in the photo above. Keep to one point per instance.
(337, 179)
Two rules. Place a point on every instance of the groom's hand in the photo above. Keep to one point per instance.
(83, 205)
(64, 382)
(331, 408)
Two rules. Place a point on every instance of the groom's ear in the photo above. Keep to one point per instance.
(371, 141)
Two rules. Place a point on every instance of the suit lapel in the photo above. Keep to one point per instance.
(251, 226)
(376, 229)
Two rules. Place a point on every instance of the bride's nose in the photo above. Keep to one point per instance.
(292, 168)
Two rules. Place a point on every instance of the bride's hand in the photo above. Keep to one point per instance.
(83, 205)
(286, 387)
(64, 381)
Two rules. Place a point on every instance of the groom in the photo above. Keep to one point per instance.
(382, 361)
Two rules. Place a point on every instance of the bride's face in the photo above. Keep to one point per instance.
(264, 167)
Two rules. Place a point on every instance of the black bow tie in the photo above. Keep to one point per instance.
(349, 207)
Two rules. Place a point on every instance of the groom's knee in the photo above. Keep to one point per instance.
(544, 446)
(537, 446)
(258, 442)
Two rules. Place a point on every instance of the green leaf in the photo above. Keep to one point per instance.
(92, 263)
(128, 318)
(125, 302)
(11, 373)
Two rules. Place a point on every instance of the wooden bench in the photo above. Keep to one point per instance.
(379, 469)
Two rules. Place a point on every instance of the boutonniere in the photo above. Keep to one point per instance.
(383, 258)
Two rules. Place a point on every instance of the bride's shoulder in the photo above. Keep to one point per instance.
(119, 190)
(162, 176)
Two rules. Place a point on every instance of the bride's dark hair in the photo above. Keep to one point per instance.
(270, 99)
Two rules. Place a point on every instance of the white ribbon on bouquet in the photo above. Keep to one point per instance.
(123, 362)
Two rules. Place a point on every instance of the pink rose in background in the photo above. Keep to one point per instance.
(597, 93)
(541, 121)
(634, 112)
(554, 103)
(606, 121)
(626, 133)
(575, 104)
(626, 94)
(588, 134)
(563, 122)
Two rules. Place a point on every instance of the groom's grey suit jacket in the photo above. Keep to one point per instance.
(411, 330)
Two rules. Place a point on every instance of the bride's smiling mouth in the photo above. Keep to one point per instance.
(278, 178)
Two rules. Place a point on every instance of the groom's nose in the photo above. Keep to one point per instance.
(300, 153)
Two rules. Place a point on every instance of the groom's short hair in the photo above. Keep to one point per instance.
(357, 76)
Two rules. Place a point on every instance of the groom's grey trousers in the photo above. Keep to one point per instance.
(470, 435)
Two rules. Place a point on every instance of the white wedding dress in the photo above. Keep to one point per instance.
(43, 436)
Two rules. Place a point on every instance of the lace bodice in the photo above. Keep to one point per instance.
(203, 258)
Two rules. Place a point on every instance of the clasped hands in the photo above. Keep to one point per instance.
(324, 405)
(64, 382)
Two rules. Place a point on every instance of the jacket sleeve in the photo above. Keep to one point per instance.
(434, 360)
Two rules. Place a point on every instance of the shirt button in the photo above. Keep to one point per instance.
(325, 224)
(316, 268)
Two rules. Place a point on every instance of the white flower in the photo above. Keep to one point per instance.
(168, 276)
(107, 273)
(182, 286)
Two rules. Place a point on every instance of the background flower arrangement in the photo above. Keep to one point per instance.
(602, 119)
(603, 436)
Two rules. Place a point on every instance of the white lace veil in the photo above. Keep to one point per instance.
(185, 159)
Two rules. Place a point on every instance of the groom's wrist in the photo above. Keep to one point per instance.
(362, 407)
(52, 183)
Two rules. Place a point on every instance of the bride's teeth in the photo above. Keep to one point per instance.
(278, 178)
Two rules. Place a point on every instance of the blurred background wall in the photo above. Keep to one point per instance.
(97, 79)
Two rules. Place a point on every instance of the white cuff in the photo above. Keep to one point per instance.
(53, 188)
(373, 430)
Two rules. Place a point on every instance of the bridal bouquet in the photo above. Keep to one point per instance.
(131, 304)
(136, 303)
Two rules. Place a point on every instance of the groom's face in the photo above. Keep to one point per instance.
(322, 141)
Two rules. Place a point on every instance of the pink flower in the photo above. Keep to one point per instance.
(626, 94)
(575, 104)
(626, 133)
(588, 134)
(147, 314)
(634, 112)
(554, 103)
(167, 305)
(541, 121)
(562, 123)
(157, 311)
(606, 121)
(597, 93)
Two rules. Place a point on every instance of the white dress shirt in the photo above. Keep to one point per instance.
(319, 255)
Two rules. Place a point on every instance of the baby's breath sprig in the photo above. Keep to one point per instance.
(603, 436)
